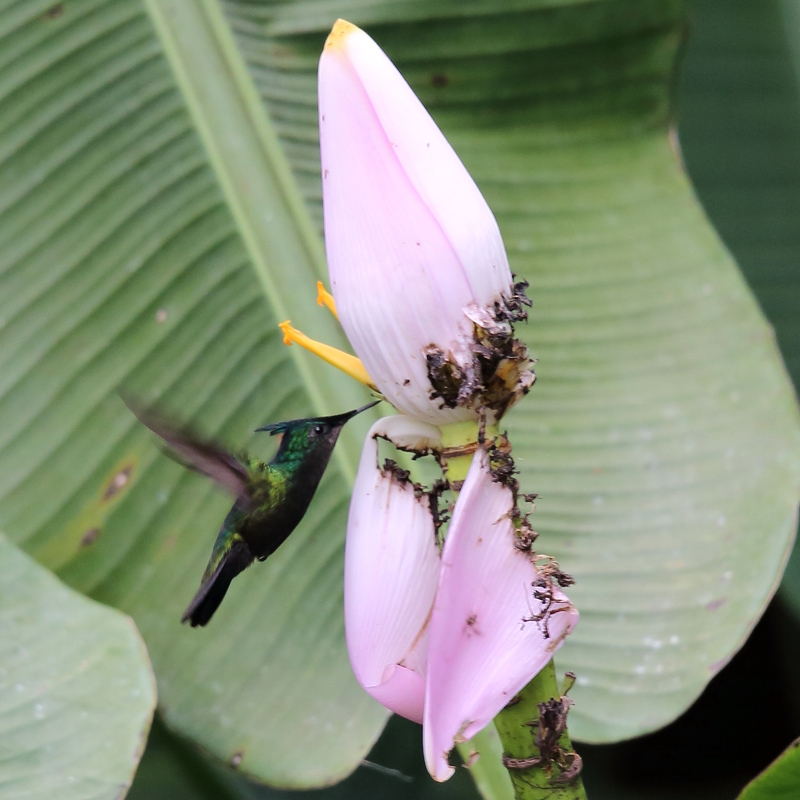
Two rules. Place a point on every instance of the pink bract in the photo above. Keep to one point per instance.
(485, 644)
(410, 240)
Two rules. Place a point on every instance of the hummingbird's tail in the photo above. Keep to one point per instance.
(212, 590)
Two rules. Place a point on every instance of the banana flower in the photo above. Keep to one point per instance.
(444, 635)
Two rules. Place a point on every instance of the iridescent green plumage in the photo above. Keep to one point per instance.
(271, 499)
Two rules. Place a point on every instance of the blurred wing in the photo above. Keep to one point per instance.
(204, 457)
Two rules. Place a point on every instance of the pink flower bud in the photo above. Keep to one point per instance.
(414, 252)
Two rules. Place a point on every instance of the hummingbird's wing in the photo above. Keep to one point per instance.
(230, 556)
(204, 457)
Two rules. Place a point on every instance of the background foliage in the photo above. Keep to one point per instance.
(127, 152)
(739, 122)
(76, 690)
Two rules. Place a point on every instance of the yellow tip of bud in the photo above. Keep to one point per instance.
(339, 32)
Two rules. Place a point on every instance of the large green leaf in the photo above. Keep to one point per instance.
(740, 126)
(662, 434)
(155, 232)
(152, 238)
(76, 690)
(780, 780)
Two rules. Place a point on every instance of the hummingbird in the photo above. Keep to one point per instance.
(271, 498)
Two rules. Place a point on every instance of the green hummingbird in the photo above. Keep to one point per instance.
(271, 498)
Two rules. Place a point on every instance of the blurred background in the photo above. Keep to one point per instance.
(738, 117)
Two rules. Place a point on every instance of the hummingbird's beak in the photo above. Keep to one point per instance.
(348, 415)
(337, 421)
(364, 408)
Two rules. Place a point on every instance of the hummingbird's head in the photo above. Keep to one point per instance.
(304, 436)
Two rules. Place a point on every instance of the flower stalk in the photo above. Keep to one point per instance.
(459, 442)
(538, 752)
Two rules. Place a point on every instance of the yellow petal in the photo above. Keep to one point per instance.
(344, 361)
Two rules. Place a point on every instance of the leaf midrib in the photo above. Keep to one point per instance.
(256, 180)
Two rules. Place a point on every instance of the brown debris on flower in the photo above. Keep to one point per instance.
(496, 369)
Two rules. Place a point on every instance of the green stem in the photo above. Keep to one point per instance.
(457, 469)
(454, 437)
(518, 738)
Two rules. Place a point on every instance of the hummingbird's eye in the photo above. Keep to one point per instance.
(318, 429)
